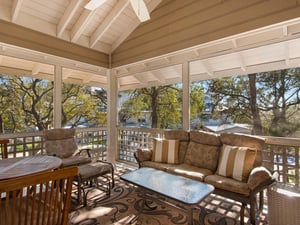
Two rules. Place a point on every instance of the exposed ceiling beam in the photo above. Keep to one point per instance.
(81, 24)
(206, 68)
(36, 69)
(140, 78)
(140, 9)
(241, 61)
(87, 79)
(158, 76)
(109, 20)
(67, 73)
(133, 26)
(94, 4)
(287, 54)
(15, 9)
(68, 14)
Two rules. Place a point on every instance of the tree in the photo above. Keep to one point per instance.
(196, 101)
(7, 111)
(257, 124)
(231, 99)
(273, 96)
(163, 103)
(33, 104)
(280, 96)
(35, 100)
(82, 105)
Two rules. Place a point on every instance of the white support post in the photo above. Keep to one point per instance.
(185, 96)
(57, 104)
(112, 115)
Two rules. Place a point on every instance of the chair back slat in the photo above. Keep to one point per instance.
(39, 199)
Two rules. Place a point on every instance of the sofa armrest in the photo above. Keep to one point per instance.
(259, 176)
(143, 155)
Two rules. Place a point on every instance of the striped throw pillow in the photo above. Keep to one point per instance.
(165, 151)
(236, 162)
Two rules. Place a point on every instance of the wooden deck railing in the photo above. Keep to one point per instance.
(280, 154)
(32, 143)
(283, 156)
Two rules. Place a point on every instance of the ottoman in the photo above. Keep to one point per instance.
(98, 175)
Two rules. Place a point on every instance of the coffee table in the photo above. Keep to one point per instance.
(183, 190)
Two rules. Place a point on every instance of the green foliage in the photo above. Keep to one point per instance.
(196, 101)
(277, 99)
(163, 103)
(33, 104)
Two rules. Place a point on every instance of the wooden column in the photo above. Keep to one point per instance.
(185, 96)
(112, 116)
(57, 96)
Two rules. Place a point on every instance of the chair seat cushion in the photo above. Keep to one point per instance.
(75, 161)
(228, 184)
(94, 169)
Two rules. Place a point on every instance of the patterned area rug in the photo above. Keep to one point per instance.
(125, 201)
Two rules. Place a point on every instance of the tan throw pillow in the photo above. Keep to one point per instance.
(165, 151)
(236, 162)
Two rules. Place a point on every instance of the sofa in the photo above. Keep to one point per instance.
(231, 162)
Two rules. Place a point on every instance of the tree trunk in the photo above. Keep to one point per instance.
(1, 125)
(257, 126)
(154, 103)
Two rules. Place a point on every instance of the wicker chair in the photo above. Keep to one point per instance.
(37, 199)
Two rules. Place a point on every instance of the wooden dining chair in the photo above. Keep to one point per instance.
(38, 199)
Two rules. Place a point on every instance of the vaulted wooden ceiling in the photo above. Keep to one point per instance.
(216, 38)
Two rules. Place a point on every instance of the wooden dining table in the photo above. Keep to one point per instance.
(21, 166)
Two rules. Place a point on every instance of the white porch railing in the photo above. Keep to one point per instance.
(26, 144)
(280, 154)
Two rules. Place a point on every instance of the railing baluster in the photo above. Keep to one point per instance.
(281, 154)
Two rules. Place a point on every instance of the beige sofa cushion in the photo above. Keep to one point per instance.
(189, 171)
(228, 184)
(206, 138)
(183, 137)
(245, 141)
(165, 151)
(203, 156)
(236, 162)
(157, 165)
(144, 154)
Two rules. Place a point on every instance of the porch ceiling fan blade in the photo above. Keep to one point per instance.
(94, 4)
(140, 10)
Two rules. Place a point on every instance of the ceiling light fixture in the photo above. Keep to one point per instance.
(140, 10)
(94, 4)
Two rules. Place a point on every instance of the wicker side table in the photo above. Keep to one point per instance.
(283, 206)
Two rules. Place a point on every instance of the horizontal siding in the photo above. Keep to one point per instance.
(178, 24)
(26, 38)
